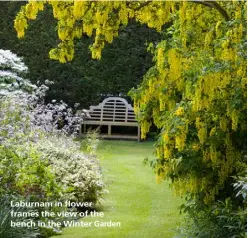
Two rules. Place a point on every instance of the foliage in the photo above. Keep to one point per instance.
(94, 16)
(28, 174)
(26, 117)
(8, 231)
(28, 178)
(101, 20)
(241, 188)
(90, 143)
(78, 174)
(208, 225)
(195, 92)
(24, 112)
(223, 219)
(39, 149)
(83, 80)
(10, 61)
(12, 69)
(32, 156)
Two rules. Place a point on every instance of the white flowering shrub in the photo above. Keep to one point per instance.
(78, 174)
(11, 71)
(25, 117)
(39, 157)
(22, 103)
(26, 122)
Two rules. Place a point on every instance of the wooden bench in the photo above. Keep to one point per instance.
(113, 111)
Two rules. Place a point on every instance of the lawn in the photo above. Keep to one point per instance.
(144, 208)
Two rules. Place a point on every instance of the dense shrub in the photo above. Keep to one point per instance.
(26, 115)
(27, 174)
(11, 71)
(222, 219)
(38, 148)
(78, 175)
(23, 215)
(5, 218)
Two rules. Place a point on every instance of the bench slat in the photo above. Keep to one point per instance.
(113, 123)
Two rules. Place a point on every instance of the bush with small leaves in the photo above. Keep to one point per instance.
(78, 174)
(8, 231)
(38, 147)
(226, 218)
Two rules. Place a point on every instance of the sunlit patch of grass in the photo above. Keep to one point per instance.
(144, 208)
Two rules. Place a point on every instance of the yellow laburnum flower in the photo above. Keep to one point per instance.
(159, 179)
(202, 134)
(161, 105)
(166, 137)
(167, 152)
(213, 155)
(195, 147)
(223, 124)
(217, 28)
(235, 119)
(213, 131)
(179, 111)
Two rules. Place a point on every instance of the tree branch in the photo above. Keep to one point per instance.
(211, 4)
(143, 4)
(221, 10)
(214, 5)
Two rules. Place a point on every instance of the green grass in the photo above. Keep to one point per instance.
(144, 208)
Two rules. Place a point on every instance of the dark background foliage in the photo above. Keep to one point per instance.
(83, 80)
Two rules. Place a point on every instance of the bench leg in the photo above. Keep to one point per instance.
(138, 133)
(80, 130)
(109, 130)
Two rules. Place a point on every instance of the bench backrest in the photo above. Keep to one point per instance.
(114, 109)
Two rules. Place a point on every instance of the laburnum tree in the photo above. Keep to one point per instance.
(195, 92)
